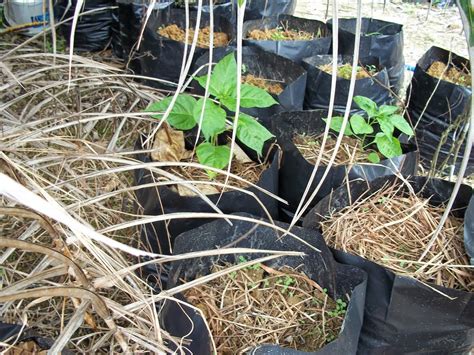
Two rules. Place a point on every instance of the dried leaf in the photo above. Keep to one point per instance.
(168, 145)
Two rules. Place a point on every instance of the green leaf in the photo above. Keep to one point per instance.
(251, 133)
(367, 105)
(360, 126)
(213, 121)
(241, 2)
(336, 124)
(386, 110)
(386, 126)
(250, 97)
(223, 77)
(388, 147)
(373, 157)
(216, 156)
(181, 116)
(402, 124)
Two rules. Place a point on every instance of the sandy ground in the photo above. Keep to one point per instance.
(442, 27)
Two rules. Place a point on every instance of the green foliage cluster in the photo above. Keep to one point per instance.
(385, 117)
(186, 114)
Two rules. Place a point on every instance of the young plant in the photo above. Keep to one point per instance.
(186, 113)
(386, 118)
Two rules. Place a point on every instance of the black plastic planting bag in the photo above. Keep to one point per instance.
(446, 102)
(268, 66)
(341, 281)
(380, 39)
(222, 8)
(469, 230)
(318, 88)
(115, 33)
(164, 199)
(294, 50)
(162, 57)
(258, 9)
(295, 170)
(402, 315)
(93, 32)
(131, 16)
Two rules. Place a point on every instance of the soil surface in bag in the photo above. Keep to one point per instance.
(402, 315)
(159, 236)
(162, 57)
(93, 32)
(437, 109)
(380, 39)
(311, 37)
(344, 283)
(318, 88)
(275, 69)
(295, 170)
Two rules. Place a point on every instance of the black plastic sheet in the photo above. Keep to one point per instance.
(116, 41)
(295, 170)
(341, 281)
(269, 66)
(402, 315)
(161, 57)
(93, 32)
(381, 39)
(131, 16)
(162, 200)
(446, 101)
(318, 87)
(294, 50)
(469, 230)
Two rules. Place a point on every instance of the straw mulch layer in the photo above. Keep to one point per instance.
(268, 85)
(176, 33)
(450, 73)
(345, 71)
(282, 33)
(350, 150)
(258, 305)
(394, 231)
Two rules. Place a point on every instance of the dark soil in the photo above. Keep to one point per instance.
(176, 33)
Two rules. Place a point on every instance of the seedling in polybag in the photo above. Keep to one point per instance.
(386, 118)
(186, 114)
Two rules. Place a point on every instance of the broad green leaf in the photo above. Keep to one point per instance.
(250, 97)
(223, 77)
(213, 121)
(402, 124)
(181, 116)
(373, 157)
(388, 147)
(251, 133)
(216, 156)
(336, 124)
(386, 110)
(367, 105)
(386, 126)
(360, 126)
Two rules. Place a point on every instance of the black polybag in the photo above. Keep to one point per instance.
(131, 16)
(341, 281)
(295, 170)
(268, 66)
(116, 41)
(402, 315)
(221, 8)
(163, 200)
(93, 31)
(318, 87)
(294, 50)
(161, 57)
(12, 331)
(381, 39)
(469, 230)
(446, 100)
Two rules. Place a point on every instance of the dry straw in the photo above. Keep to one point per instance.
(260, 305)
(393, 230)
